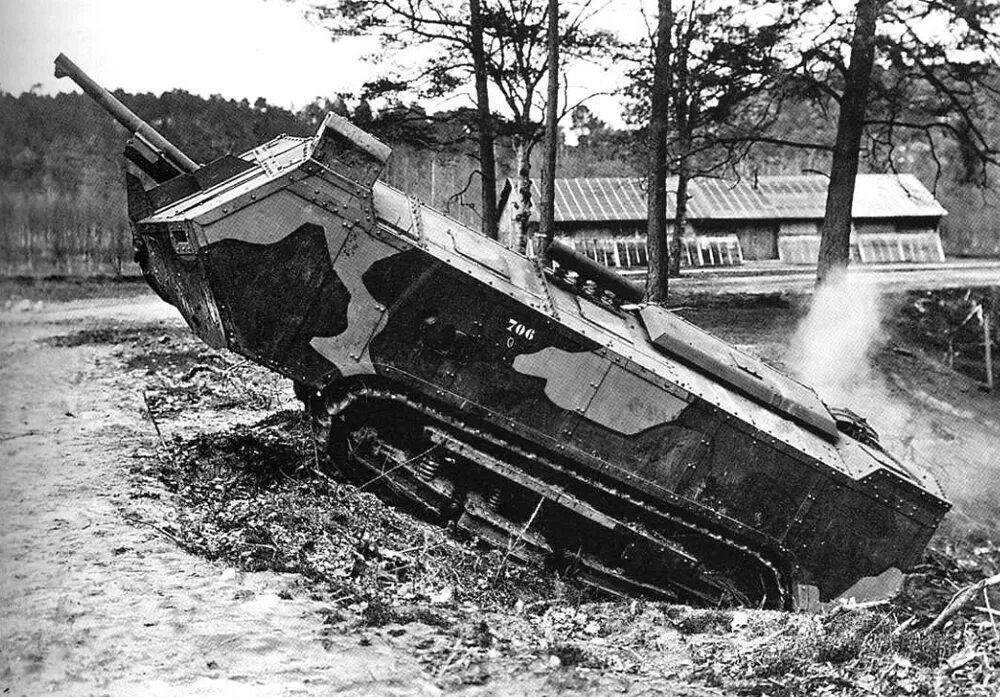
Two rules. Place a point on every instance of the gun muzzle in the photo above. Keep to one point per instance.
(145, 135)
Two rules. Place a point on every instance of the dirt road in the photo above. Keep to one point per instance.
(773, 277)
(91, 603)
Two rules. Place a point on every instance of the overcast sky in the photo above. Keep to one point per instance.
(236, 48)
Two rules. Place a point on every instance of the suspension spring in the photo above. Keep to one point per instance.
(427, 468)
(496, 497)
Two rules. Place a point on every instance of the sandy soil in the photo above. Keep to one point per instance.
(95, 598)
(90, 602)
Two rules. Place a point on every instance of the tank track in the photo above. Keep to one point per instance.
(536, 507)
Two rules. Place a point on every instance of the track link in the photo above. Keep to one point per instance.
(532, 506)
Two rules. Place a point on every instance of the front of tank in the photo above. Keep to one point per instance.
(250, 261)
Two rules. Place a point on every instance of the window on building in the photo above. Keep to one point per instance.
(632, 252)
(893, 248)
(715, 250)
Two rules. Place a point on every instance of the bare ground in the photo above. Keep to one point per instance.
(93, 603)
(99, 597)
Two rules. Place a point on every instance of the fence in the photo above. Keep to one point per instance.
(445, 181)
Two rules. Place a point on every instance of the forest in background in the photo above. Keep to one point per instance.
(62, 200)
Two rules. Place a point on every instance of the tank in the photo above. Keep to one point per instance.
(537, 405)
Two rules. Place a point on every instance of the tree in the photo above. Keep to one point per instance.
(656, 186)
(726, 71)
(547, 213)
(518, 37)
(600, 150)
(514, 36)
(363, 115)
(835, 233)
(314, 112)
(723, 65)
(487, 158)
(919, 75)
(685, 116)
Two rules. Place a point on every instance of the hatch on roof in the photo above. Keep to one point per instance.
(481, 250)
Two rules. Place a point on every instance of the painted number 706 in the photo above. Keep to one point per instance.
(518, 329)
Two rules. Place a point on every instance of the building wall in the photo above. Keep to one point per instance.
(792, 228)
(610, 228)
(896, 225)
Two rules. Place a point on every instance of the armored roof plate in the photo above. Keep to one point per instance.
(752, 377)
(273, 159)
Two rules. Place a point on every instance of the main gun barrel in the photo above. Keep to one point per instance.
(142, 131)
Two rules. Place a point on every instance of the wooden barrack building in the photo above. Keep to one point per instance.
(896, 219)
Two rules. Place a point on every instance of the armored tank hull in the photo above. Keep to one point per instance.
(521, 402)
(538, 406)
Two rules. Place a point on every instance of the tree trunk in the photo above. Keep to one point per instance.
(656, 183)
(835, 236)
(547, 213)
(680, 217)
(487, 159)
(684, 118)
(522, 149)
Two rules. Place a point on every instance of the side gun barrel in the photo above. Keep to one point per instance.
(589, 270)
(142, 131)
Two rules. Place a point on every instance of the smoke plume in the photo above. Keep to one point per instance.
(830, 349)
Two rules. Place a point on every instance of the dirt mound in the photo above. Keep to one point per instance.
(139, 337)
(257, 497)
(176, 371)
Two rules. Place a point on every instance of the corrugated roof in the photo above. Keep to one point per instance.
(598, 198)
(773, 197)
(875, 196)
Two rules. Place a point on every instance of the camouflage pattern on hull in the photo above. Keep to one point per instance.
(480, 388)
